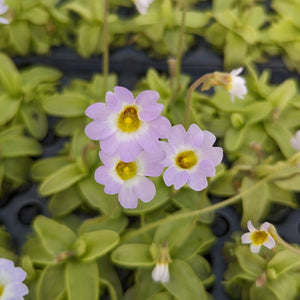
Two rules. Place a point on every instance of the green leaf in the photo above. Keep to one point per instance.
(234, 138)
(183, 283)
(36, 75)
(46, 166)
(14, 146)
(282, 262)
(88, 39)
(9, 75)
(175, 231)
(282, 94)
(20, 36)
(35, 120)
(9, 106)
(36, 15)
(199, 240)
(281, 136)
(64, 202)
(97, 243)
(55, 237)
(61, 179)
(82, 280)
(51, 283)
(161, 296)
(257, 112)
(68, 104)
(95, 196)
(255, 203)
(133, 255)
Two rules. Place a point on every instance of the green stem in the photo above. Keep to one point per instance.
(287, 245)
(180, 44)
(229, 201)
(176, 87)
(105, 57)
(189, 97)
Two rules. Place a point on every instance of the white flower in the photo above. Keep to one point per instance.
(11, 286)
(142, 5)
(257, 238)
(236, 85)
(161, 272)
(295, 141)
(3, 10)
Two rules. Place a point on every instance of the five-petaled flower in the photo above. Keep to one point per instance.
(161, 272)
(190, 157)
(257, 238)
(142, 5)
(295, 141)
(126, 125)
(11, 278)
(3, 10)
(128, 179)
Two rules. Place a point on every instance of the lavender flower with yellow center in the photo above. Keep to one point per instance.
(126, 125)
(11, 277)
(142, 5)
(128, 179)
(257, 238)
(190, 157)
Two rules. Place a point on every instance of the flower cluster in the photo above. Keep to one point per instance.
(130, 131)
(11, 278)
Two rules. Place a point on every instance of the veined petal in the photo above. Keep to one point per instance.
(161, 126)
(113, 102)
(246, 238)
(265, 226)
(197, 181)
(177, 135)
(145, 189)
(110, 145)
(194, 136)
(255, 248)
(124, 95)
(129, 150)
(251, 228)
(149, 142)
(127, 197)
(236, 71)
(98, 130)
(180, 179)
(270, 242)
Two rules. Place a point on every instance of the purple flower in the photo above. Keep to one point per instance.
(11, 286)
(190, 157)
(127, 179)
(126, 125)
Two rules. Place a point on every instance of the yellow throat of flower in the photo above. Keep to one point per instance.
(1, 290)
(258, 237)
(186, 159)
(126, 170)
(128, 120)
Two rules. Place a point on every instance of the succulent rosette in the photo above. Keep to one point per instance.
(126, 125)
(190, 157)
(128, 179)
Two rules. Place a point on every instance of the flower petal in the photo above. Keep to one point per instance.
(124, 95)
(161, 126)
(177, 135)
(246, 238)
(110, 145)
(197, 181)
(113, 102)
(149, 142)
(265, 226)
(127, 197)
(194, 136)
(129, 150)
(98, 130)
(255, 248)
(270, 242)
(236, 71)
(145, 189)
(251, 228)
(97, 111)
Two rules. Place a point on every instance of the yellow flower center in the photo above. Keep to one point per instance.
(1, 290)
(128, 120)
(258, 237)
(126, 170)
(186, 159)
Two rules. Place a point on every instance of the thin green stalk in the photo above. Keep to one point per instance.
(105, 57)
(177, 74)
(229, 201)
